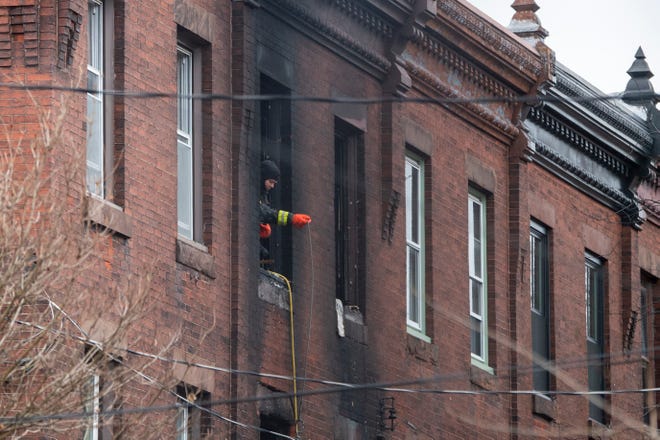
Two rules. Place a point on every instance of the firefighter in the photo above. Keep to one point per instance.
(268, 216)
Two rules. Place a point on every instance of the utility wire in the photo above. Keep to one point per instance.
(86, 339)
(529, 99)
(336, 387)
(581, 362)
(385, 386)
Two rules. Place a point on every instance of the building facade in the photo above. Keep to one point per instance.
(484, 250)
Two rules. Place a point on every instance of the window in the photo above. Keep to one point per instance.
(349, 214)
(272, 425)
(415, 283)
(477, 282)
(276, 146)
(95, 172)
(92, 393)
(594, 299)
(540, 305)
(184, 134)
(99, 123)
(191, 119)
(193, 420)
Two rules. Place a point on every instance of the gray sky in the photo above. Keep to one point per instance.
(597, 39)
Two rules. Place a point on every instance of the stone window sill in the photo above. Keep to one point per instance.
(109, 216)
(196, 256)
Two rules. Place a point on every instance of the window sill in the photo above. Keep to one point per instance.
(419, 335)
(421, 347)
(195, 256)
(544, 406)
(272, 290)
(482, 376)
(109, 216)
(598, 431)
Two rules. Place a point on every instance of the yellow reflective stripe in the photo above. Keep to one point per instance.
(282, 217)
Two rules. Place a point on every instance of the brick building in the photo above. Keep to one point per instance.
(445, 202)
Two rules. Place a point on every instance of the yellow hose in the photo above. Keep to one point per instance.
(293, 350)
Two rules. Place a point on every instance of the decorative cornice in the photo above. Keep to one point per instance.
(369, 20)
(509, 48)
(615, 118)
(591, 149)
(478, 110)
(460, 64)
(295, 10)
(584, 175)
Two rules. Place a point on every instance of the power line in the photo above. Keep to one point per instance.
(525, 99)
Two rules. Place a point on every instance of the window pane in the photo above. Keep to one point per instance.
(475, 337)
(593, 291)
(476, 254)
(95, 116)
(184, 89)
(92, 406)
(185, 197)
(413, 285)
(182, 424)
(184, 189)
(538, 272)
(476, 221)
(95, 34)
(475, 300)
(94, 145)
(414, 198)
(413, 201)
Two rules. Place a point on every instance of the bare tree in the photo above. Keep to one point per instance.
(63, 373)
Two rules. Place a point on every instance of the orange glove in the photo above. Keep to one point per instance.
(264, 230)
(300, 220)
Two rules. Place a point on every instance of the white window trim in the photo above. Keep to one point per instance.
(185, 208)
(416, 328)
(182, 421)
(97, 125)
(92, 430)
(478, 198)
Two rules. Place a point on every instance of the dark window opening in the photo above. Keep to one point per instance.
(540, 305)
(274, 425)
(276, 146)
(193, 418)
(349, 214)
(595, 297)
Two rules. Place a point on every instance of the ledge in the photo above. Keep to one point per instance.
(354, 325)
(421, 347)
(598, 431)
(272, 290)
(544, 406)
(482, 377)
(195, 256)
(109, 216)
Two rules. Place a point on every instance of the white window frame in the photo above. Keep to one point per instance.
(182, 421)
(185, 170)
(415, 304)
(95, 176)
(478, 270)
(93, 407)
